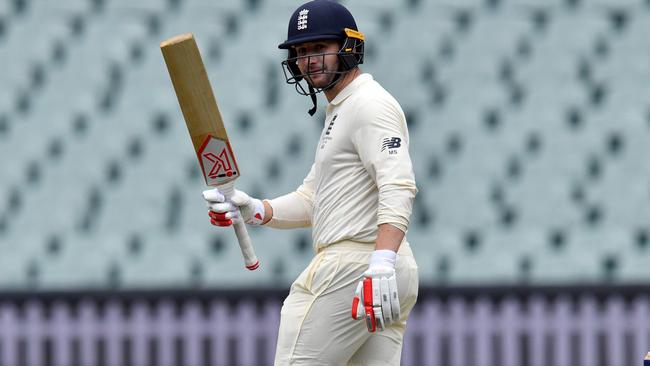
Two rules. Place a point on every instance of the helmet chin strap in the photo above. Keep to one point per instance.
(312, 92)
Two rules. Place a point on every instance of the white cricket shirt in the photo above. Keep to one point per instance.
(362, 174)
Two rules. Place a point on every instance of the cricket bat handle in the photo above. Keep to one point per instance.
(250, 259)
(245, 244)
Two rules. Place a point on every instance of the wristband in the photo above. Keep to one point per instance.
(382, 258)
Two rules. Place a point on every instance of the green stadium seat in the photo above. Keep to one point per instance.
(528, 131)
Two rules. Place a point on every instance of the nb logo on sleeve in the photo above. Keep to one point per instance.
(391, 144)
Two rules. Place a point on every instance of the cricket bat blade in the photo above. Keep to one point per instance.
(205, 125)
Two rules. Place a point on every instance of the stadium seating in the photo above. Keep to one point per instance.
(529, 126)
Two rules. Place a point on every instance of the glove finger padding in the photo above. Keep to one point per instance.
(376, 300)
(238, 207)
(358, 312)
(371, 318)
(240, 198)
(222, 216)
(219, 219)
(377, 296)
(378, 292)
(213, 196)
(385, 300)
(251, 210)
(393, 298)
(362, 304)
(223, 207)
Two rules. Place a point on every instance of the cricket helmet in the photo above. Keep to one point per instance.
(322, 20)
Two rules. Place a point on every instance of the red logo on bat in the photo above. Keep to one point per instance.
(217, 161)
(221, 162)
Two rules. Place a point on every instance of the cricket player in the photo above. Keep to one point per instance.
(357, 198)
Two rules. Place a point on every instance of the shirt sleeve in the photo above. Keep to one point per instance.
(382, 142)
(294, 210)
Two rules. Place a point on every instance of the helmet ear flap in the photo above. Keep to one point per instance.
(351, 54)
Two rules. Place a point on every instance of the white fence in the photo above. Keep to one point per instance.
(537, 332)
(563, 330)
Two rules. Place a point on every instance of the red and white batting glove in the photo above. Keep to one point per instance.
(222, 212)
(376, 299)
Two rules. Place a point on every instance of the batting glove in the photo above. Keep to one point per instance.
(376, 299)
(222, 212)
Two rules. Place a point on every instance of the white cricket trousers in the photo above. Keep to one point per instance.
(316, 326)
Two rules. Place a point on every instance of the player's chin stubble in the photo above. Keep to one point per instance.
(320, 79)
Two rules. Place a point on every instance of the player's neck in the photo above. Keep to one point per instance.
(330, 94)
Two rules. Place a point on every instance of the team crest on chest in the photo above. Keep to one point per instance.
(327, 137)
(329, 128)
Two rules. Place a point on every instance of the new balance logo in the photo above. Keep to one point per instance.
(302, 19)
(390, 144)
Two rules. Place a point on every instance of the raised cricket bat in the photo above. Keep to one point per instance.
(205, 125)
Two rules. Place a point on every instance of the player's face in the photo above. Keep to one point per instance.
(318, 60)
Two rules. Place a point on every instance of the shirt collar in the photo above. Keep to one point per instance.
(351, 88)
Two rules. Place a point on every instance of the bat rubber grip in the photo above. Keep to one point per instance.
(245, 244)
(250, 259)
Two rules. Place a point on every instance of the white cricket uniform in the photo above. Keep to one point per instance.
(362, 176)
